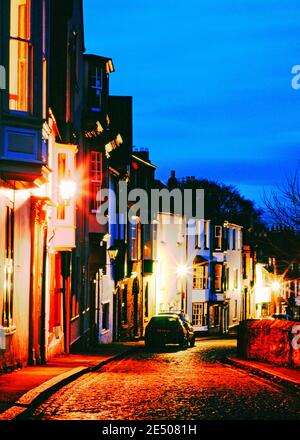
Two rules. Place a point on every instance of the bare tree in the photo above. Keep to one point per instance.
(283, 204)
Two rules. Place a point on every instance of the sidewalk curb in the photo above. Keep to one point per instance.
(27, 403)
(292, 385)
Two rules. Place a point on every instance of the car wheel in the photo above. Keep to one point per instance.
(148, 344)
(192, 342)
(183, 344)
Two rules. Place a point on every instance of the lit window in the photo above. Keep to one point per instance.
(236, 278)
(133, 236)
(218, 277)
(61, 168)
(20, 56)
(200, 276)
(8, 269)
(199, 314)
(147, 242)
(96, 179)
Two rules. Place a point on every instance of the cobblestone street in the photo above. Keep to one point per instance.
(171, 384)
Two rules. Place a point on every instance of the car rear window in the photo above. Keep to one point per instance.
(165, 322)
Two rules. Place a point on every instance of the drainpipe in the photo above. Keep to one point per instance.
(43, 299)
(31, 354)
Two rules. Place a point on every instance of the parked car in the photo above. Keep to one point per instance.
(166, 329)
(283, 316)
(187, 324)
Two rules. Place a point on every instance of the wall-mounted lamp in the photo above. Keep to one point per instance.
(67, 189)
(112, 253)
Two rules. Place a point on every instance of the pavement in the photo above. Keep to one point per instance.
(289, 377)
(27, 387)
(30, 386)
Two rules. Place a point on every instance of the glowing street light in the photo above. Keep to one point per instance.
(67, 189)
(182, 270)
(276, 286)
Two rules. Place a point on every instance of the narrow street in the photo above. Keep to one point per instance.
(192, 384)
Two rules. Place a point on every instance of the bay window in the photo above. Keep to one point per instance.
(200, 276)
(20, 56)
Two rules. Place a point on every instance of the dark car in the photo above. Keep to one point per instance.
(166, 329)
(187, 324)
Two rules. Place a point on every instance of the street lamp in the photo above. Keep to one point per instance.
(276, 286)
(182, 270)
(112, 253)
(67, 190)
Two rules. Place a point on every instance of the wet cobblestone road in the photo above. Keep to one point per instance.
(190, 384)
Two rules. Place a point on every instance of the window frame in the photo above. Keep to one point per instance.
(200, 276)
(28, 41)
(199, 319)
(96, 180)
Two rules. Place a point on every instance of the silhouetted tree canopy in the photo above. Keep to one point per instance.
(223, 202)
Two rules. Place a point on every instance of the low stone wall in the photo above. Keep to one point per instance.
(267, 340)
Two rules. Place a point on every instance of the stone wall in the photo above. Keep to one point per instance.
(267, 340)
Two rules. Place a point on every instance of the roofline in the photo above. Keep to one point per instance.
(144, 161)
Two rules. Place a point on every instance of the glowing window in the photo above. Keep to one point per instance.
(96, 179)
(20, 56)
(200, 277)
(218, 277)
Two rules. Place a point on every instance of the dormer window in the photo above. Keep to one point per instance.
(95, 89)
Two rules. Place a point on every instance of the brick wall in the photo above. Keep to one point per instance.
(274, 341)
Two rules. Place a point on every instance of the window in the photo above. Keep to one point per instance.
(133, 236)
(236, 278)
(218, 238)
(197, 235)
(8, 269)
(61, 168)
(199, 314)
(235, 309)
(200, 276)
(95, 90)
(20, 56)
(124, 306)
(215, 316)
(233, 239)
(218, 277)
(226, 243)
(227, 279)
(105, 316)
(154, 241)
(96, 179)
(147, 242)
(206, 235)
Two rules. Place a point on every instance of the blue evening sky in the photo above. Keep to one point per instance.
(211, 84)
